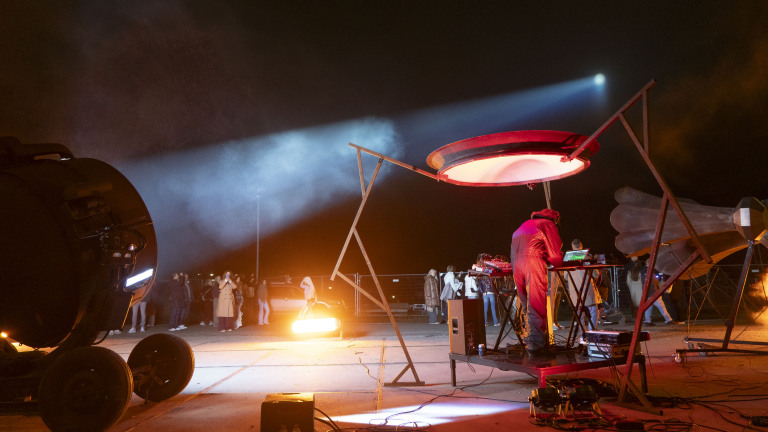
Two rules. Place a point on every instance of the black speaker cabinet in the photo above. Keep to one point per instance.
(288, 412)
(466, 325)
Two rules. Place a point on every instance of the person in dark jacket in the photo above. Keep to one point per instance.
(206, 299)
(186, 291)
(176, 294)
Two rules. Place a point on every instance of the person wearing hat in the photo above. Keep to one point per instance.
(535, 244)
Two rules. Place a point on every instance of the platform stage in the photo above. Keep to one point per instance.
(515, 358)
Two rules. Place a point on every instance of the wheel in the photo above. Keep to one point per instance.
(162, 365)
(7, 347)
(87, 389)
(678, 358)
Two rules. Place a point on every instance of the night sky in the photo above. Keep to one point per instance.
(204, 105)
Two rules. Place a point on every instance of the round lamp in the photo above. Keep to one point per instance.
(511, 158)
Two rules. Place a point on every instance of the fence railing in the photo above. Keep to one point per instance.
(710, 295)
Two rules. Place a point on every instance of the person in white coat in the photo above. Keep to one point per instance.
(263, 296)
(471, 291)
(450, 291)
(226, 305)
(310, 295)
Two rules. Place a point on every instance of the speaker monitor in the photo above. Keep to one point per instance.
(467, 325)
(289, 412)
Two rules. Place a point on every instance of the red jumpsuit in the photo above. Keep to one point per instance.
(535, 243)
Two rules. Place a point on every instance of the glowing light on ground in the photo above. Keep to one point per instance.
(433, 414)
(317, 325)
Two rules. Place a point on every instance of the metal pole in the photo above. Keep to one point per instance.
(258, 230)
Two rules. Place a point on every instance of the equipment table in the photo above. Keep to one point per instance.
(561, 362)
(565, 276)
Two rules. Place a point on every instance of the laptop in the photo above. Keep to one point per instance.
(575, 258)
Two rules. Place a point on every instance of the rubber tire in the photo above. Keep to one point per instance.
(7, 347)
(162, 364)
(86, 389)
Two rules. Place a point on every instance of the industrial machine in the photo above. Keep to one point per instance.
(77, 250)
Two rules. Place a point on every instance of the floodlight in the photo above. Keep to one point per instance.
(141, 277)
(584, 399)
(545, 397)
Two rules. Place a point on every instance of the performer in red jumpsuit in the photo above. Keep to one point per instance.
(535, 243)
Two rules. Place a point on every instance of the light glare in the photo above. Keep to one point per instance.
(599, 79)
(433, 414)
(318, 325)
(514, 169)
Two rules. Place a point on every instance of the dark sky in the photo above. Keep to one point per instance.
(170, 92)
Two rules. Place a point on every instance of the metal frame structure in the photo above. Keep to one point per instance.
(704, 349)
(667, 200)
(382, 302)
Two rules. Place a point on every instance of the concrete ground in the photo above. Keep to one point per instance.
(235, 371)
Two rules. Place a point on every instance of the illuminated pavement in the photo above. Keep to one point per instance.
(235, 371)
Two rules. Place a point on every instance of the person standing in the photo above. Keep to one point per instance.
(226, 306)
(534, 244)
(590, 300)
(489, 300)
(262, 294)
(431, 295)
(187, 299)
(471, 291)
(635, 279)
(310, 295)
(135, 309)
(450, 289)
(215, 290)
(251, 300)
(239, 299)
(556, 289)
(176, 294)
(206, 298)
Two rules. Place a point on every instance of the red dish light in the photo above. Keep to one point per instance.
(511, 158)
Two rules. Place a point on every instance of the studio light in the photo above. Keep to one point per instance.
(548, 402)
(143, 276)
(511, 158)
(583, 399)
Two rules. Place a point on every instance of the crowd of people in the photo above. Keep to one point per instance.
(227, 301)
(454, 287)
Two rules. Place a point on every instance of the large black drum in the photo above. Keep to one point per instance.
(71, 232)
